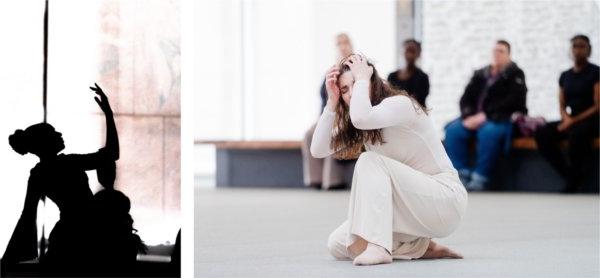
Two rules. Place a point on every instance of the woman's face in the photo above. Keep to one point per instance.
(411, 52)
(580, 50)
(346, 82)
(501, 55)
(55, 141)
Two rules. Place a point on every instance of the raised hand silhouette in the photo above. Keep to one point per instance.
(101, 99)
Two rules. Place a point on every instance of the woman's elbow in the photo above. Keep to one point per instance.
(111, 155)
(358, 119)
(316, 152)
(358, 122)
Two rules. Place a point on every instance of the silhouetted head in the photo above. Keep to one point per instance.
(106, 173)
(112, 202)
(115, 239)
(501, 53)
(39, 139)
(347, 137)
(581, 49)
(343, 44)
(412, 51)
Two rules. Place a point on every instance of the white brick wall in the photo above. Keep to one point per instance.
(458, 37)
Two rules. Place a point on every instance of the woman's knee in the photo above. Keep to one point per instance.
(367, 160)
(492, 134)
(367, 157)
(336, 244)
(336, 249)
(456, 130)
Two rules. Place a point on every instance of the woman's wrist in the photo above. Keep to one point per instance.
(330, 106)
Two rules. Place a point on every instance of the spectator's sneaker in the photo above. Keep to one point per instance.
(315, 185)
(477, 182)
(339, 186)
(465, 176)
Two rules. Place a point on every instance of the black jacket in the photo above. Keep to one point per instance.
(506, 96)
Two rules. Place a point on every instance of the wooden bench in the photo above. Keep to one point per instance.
(258, 163)
(254, 145)
(279, 164)
(528, 143)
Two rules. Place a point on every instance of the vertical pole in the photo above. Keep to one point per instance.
(45, 71)
(45, 103)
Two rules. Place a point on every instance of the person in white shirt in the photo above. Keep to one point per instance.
(405, 190)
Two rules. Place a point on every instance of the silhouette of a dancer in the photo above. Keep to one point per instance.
(62, 178)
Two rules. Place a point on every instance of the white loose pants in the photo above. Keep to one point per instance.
(399, 208)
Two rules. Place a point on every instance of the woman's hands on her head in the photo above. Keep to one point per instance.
(101, 99)
(359, 67)
(333, 91)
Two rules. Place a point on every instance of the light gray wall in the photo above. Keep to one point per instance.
(458, 36)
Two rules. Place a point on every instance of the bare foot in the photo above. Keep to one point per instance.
(438, 251)
(374, 254)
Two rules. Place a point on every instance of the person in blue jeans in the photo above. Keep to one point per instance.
(493, 94)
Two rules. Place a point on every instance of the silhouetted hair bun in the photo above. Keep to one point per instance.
(18, 142)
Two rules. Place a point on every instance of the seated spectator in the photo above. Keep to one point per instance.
(493, 94)
(115, 241)
(411, 78)
(578, 95)
(325, 173)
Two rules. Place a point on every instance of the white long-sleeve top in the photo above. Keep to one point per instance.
(409, 133)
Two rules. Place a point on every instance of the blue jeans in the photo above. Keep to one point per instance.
(492, 138)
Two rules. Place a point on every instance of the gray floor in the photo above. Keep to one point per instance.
(282, 233)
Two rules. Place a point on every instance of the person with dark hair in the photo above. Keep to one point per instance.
(62, 178)
(411, 78)
(404, 189)
(579, 103)
(493, 94)
(327, 173)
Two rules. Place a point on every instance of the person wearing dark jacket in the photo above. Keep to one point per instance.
(493, 94)
(411, 79)
(579, 103)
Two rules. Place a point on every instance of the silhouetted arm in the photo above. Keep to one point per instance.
(23, 242)
(112, 138)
